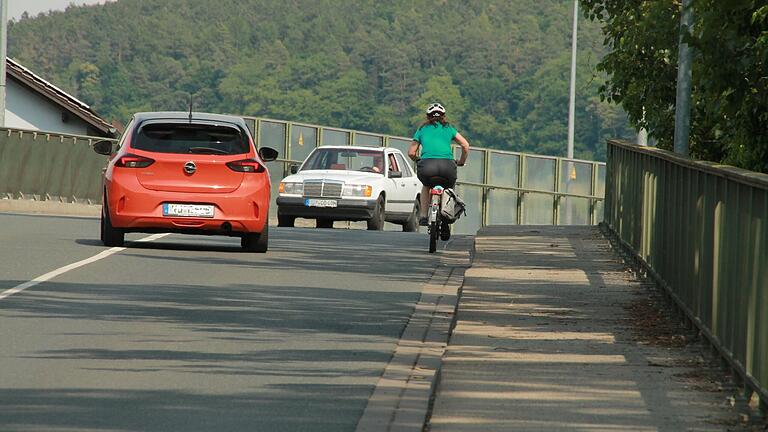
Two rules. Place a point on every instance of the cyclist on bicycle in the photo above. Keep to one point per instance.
(437, 166)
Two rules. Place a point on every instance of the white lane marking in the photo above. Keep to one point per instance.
(61, 270)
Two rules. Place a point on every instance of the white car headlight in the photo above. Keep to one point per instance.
(291, 188)
(357, 190)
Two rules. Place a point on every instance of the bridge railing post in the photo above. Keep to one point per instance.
(486, 181)
(556, 187)
(593, 191)
(521, 195)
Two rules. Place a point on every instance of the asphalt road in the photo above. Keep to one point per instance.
(190, 334)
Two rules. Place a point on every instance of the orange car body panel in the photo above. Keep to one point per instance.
(135, 196)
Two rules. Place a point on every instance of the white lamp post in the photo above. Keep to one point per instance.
(572, 105)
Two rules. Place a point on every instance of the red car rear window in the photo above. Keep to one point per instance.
(191, 138)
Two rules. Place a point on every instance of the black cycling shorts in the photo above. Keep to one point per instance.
(437, 172)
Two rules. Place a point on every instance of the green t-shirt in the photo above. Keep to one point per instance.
(435, 141)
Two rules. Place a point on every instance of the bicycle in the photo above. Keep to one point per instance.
(436, 226)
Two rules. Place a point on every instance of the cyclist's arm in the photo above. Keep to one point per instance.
(464, 148)
(413, 151)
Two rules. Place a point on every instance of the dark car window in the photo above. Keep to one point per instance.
(404, 167)
(124, 135)
(191, 138)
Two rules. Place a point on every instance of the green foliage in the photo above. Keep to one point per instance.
(501, 68)
(440, 88)
(730, 75)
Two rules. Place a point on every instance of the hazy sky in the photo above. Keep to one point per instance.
(34, 7)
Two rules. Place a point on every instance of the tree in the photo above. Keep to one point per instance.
(730, 98)
(441, 89)
(360, 64)
(88, 81)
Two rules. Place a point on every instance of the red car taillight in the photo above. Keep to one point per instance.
(134, 161)
(246, 166)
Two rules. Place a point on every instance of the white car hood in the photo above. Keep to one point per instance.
(348, 177)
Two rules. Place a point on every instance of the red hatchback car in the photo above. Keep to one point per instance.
(186, 173)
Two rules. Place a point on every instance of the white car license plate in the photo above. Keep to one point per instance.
(320, 203)
(188, 210)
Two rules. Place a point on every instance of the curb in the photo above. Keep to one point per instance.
(403, 397)
(53, 208)
(452, 327)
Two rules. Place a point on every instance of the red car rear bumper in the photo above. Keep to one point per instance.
(135, 208)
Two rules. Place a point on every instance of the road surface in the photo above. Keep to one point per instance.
(188, 333)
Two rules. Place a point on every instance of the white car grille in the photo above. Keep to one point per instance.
(322, 189)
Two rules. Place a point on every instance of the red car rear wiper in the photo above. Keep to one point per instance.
(207, 150)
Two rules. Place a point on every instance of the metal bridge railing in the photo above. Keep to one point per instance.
(701, 230)
(499, 187)
(49, 166)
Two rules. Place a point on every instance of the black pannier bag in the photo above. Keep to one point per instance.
(452, 206)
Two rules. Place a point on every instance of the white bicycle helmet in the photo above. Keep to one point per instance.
(435, 110)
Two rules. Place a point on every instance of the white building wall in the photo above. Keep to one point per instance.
(26, 109)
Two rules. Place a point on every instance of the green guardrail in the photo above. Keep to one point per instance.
(499, 187)
(49, 166)
(701, 231)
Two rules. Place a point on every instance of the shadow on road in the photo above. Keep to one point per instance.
(144, 410)
(297, 337)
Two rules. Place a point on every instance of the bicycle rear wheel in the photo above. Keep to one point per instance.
(434, 232)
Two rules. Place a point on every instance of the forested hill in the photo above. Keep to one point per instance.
(500, 67)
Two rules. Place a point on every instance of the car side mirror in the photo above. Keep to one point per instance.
(103, 147)
(268, 154)
(395, 174)
(294, 169)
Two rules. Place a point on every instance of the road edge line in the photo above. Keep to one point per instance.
(61, 270)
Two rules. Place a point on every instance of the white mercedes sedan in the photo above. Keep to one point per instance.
(347, 183)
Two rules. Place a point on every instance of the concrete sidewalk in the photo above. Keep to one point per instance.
(546, 340)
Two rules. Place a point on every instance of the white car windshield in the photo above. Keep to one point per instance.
(346, 159)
